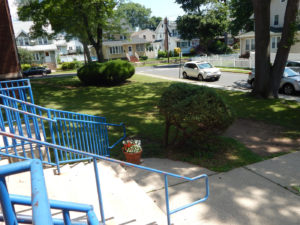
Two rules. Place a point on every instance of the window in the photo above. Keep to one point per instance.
(116, 50)
(36, 56)
(250, 44)
(22, 41)
(122, 37)
(275, 42)
(282, 0)
(42, 40)
(153, 36)
(144, 36)
(276, 20)
(45, 40)
(183, 44)
(247, 44)
(140, 47)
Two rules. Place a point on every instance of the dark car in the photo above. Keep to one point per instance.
(36, 71)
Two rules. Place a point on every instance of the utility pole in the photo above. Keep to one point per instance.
(9, 60)
(167, 38)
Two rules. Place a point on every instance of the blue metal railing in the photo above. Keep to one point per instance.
(97, 157)
(39, 202)
(55, 137)
(73, 130)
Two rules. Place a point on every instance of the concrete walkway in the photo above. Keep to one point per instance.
(257, 194)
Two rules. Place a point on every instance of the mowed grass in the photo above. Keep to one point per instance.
(135, 104)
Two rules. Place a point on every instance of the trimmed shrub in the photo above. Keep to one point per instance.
(109, 73)
(177, 51)
(197, 113)
(193, 51)
(25, 66)
(144, 57)
(161, 54)
(71, 65)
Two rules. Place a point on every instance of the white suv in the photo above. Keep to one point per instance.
(200, 70)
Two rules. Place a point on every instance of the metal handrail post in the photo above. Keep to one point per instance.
(7, 208)
(53, 141)
(41, 213)
(167, 199)
(67, 218)
(99, 190)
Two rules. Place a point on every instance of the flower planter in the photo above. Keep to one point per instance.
(134, 158)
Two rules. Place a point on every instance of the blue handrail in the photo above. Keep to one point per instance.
(74, 130)
(39, 199)
(96, 157)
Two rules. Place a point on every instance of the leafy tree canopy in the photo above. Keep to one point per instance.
(89, 20)
(136, 14)
(26, 56)
(205, 25)
(240, 13)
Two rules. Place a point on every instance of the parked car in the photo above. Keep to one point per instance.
(290, 81)
(36, 71)
(200, 70)
(294, 65)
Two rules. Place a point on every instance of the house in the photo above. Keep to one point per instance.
(147, 35)
(73, 46)
(9, 65)
(121, 47)
(43, 49)
(129, 48)
(277, 11)
(173, 38)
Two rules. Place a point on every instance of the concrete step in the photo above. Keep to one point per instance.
(124, 202)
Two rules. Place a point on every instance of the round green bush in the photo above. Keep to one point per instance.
(197, 113)
(144, 57)
(161, 54)
(25, 66)
(71, 65)
(109, 73)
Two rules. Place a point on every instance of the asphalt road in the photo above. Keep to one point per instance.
(230, 80)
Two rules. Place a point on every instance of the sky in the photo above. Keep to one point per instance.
(162, 8)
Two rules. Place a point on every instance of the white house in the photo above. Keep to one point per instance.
(277, 12)
(43, 49)
(174, 38)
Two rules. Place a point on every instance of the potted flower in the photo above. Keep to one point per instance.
(132, 150)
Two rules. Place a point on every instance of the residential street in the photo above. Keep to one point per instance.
(230, 80)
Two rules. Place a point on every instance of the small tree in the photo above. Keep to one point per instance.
(26, 56)
(197, 113)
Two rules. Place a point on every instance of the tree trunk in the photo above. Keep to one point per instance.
(287, 39)
(262, 86)
(87, 52)
(166, 137)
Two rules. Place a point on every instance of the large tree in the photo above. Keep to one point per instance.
(136, 14)
(240, 13)
(86, 19)
(205, 20)
(152, 23)
(268, 76)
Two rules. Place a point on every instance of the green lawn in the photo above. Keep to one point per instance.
(135, 104)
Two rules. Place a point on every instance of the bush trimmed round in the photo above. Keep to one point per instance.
(197, 112)
(109, 73)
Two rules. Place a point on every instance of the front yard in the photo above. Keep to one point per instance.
(135, 104)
